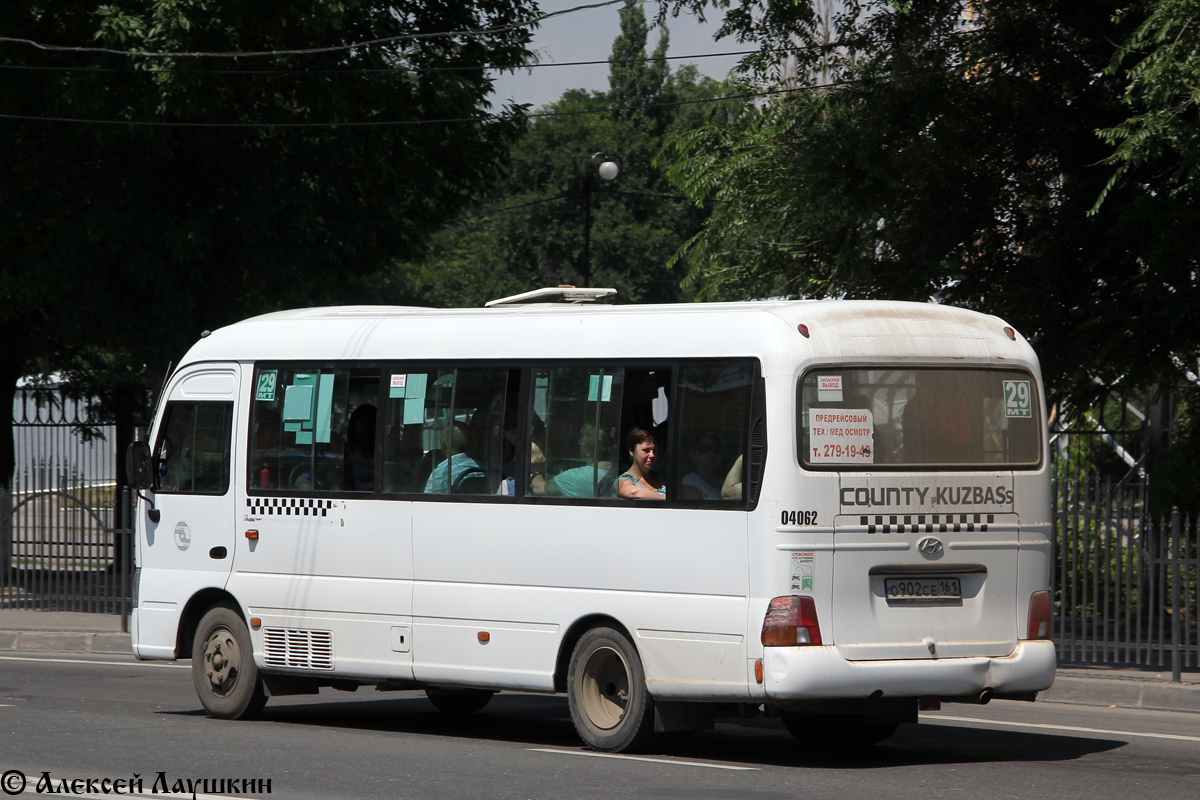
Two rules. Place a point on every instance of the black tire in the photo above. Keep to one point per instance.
(606, 688)
(826, 732)
(459, 702)
(223, 669)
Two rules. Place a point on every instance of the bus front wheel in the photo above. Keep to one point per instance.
(606, 689)
(223, 669)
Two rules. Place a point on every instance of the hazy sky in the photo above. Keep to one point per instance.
(588, 36)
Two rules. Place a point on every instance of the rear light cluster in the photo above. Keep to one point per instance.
(791, 621)
(1041, 622)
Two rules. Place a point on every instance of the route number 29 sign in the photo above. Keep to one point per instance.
(1018, 399)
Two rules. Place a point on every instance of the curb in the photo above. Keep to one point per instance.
(65, 642)
(1151, 695)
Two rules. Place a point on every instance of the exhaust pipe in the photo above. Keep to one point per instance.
(981, 699)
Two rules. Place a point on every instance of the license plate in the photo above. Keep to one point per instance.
(922, 590)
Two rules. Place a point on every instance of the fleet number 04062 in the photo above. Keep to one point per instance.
(798, 518)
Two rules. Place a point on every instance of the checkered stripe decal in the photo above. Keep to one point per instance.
(288, 507)
(927, 523)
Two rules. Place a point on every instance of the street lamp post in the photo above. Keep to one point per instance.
(608, 169)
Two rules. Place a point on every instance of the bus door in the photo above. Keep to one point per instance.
(191, 546)
(927, 537)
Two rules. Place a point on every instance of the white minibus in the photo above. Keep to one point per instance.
(834, 512)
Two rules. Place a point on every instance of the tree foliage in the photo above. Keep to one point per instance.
(952, 158)
(1163, 92)
(144, 199)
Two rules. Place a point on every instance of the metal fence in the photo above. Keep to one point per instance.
(1125, 582)
(65, 534)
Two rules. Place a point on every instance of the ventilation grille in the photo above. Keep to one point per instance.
(758, 455)
(290, 648)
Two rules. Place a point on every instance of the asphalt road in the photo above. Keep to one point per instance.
(80, 718)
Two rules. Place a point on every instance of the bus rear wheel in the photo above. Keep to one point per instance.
(606, 688)
(828, 732)
(459, 701)
(223, 669)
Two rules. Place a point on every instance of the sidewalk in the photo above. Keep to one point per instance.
(61, 632)
(1124, 687)
(100, 634)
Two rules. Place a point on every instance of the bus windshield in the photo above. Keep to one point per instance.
(927, 417)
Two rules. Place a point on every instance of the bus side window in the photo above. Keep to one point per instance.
(445, 430)
(713, 416)
(193, 448)
(313, 430)
(573, 422)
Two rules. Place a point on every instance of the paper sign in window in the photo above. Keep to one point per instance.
(324, 407)
(297, 403)
(829, 388)
(414, 398)
(600, 388)
(841, 436)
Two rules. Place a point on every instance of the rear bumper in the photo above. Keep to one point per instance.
(806, 673)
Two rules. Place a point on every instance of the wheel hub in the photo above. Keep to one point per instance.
(221, 659)
(605, 694)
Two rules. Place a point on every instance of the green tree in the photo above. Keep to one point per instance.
(951, 158)
(1157, 153)
(1162, 59)
(528, 231)
(144, 199)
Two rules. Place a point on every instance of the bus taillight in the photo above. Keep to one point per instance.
(791, 621)
(1041, 623)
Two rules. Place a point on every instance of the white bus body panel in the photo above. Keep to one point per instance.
(342, 566)
(675, 578)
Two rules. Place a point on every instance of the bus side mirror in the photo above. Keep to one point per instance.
(139, 465)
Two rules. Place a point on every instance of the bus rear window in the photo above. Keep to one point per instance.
(925, 418)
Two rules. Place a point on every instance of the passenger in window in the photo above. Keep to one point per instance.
(360, 449)
(460, 468)
(703, 481)
(639, 482)
(593, 479)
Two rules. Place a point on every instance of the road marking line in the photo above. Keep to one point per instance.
(1071, 728)
(106, 663)
(640, 758)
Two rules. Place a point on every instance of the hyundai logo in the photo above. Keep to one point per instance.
(929, 546)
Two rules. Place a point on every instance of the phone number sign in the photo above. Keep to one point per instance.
(841, 436)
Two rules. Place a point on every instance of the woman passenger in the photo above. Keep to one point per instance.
(640, 482)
